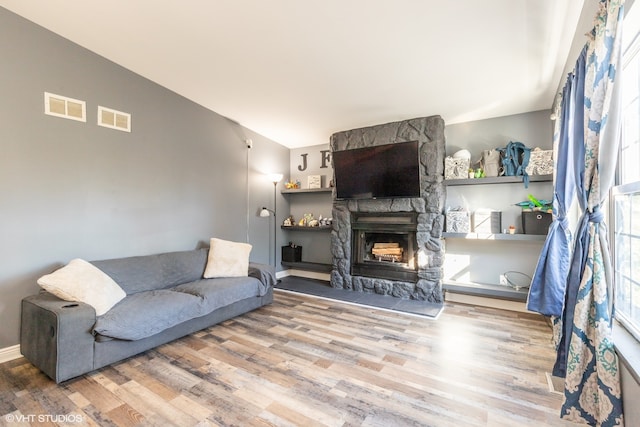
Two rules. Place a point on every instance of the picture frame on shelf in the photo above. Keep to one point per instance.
(314, 181)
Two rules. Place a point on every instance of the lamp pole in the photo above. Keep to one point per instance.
(275, 178)
(275, 244)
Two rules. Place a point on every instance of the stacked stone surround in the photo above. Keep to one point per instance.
(429, 132)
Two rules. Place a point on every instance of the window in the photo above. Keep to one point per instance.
(626, 205)
(625, 202)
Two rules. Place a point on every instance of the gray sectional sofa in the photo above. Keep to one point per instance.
(166, 298)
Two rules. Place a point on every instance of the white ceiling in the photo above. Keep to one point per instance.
(297, 71)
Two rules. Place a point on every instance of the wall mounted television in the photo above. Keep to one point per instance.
(381, 171)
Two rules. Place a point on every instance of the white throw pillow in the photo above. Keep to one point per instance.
(227, 259)
(83, 282)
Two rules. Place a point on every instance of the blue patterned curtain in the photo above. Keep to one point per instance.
(586, 357)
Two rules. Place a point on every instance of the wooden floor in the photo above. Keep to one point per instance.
(304, 361)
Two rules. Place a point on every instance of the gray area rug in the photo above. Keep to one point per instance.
(323, 289)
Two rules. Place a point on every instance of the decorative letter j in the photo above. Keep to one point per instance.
(303, 166)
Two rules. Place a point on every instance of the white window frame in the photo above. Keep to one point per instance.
(630, 54)
(630, 189)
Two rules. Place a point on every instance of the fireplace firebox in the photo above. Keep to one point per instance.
(384, 245)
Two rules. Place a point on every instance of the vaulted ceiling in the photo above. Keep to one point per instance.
(297, 71)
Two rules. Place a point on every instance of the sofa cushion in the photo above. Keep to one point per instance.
(147, 313)
(149, 272)
(227, 259)
(220, 292)
(81, 281)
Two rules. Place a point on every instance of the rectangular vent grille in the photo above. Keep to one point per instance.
(114, 119)
(65, 107)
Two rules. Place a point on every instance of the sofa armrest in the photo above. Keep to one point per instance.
(266, 274)
(56, 335)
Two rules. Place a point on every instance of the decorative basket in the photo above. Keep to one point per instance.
(458, 222)
(486, 221)
(536, 222)
(456, 168)
(540, 162)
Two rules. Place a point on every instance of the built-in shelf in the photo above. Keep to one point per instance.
(323, 195)
(307, 190)
(308, 266)
(497, 180)
(485, 290)
(303, 228)
(482, 236)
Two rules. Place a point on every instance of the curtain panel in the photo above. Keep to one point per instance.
(573, 280)
(547, 290)
(586, 357)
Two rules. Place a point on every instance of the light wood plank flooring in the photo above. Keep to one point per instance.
(304, 361)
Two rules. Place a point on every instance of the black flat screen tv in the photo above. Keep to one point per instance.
(381, 171)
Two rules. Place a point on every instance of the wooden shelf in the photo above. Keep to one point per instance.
(307, 190)
(308, 266)
(481, 236)
(299, 228)
(486, 290)
(497, 180)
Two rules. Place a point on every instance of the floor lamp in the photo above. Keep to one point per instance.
(265, 212)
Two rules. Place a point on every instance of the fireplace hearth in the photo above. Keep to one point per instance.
(393, 246)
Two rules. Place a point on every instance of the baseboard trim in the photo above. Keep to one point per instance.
(486, 302)
(307, 274)
(555, 384)
(10, 353)
(283, 273)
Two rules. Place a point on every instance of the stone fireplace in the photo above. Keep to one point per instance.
(393, 246)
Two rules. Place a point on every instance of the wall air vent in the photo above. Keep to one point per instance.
(114, 119)
(65, 107)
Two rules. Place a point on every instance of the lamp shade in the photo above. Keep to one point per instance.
(275, 177)
(265, 212)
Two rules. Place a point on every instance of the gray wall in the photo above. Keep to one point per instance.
(316, 246)
(534, 129)
(70, 189)
(481, 261)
